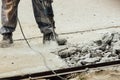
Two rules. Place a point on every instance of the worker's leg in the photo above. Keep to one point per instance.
(9, 15)
(9, 21)
(43, 15)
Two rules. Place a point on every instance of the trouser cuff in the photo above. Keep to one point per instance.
(46, 30)
(5, 29)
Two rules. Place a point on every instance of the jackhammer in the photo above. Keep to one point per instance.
(56, 38)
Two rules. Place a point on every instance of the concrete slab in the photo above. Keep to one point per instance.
(19, 60)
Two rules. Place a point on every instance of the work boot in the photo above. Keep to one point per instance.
(7, 40)
(52, 36)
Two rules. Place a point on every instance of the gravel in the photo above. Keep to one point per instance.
(104, 50)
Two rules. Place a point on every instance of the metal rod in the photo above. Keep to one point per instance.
(60, 72)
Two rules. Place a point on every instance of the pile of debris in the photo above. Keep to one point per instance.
(104, 50)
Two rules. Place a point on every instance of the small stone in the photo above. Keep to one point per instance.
(12, 63)
(106, 59)
(107, 39)
(67, 53)
(79, 63)
(116, 37)
(94, 14)
(116, 48)
(107, 54)
(98, 42)
(90, 60)
(118, 56)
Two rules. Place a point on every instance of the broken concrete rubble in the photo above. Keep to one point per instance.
(104, 50)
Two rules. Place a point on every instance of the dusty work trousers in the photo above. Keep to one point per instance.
(43, 16)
